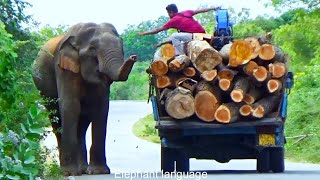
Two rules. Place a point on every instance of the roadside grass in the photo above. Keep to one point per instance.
(145, 129)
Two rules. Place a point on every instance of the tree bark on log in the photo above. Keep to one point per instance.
(224, 53)
(240, 53)
(225, 73)
(240, 88)
(265, 106)
(227, 112)
(203, 56)
(254, 94)
(179, 103)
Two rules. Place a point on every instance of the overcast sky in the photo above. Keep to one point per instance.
(122, 12)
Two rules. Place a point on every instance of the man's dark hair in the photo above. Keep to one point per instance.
(172, 8)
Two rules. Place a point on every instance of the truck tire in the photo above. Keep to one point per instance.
(167, 159)
(182, 162)
(277, 160)
(263, 161)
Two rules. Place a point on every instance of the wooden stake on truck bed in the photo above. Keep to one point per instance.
(203, 56)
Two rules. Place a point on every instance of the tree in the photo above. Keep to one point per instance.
(12, 15)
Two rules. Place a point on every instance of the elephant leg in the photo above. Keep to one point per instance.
(69, 106)
(82, 129)
(99, 129)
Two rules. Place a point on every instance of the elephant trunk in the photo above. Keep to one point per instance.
(113, 65)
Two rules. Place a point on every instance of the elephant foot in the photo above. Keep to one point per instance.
(71, 171)
(94, 169)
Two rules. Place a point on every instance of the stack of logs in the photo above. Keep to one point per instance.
(244, 80)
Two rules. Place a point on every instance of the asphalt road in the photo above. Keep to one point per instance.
(132, 158)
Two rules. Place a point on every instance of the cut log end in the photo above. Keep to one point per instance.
(267, 52)
(205, 105)
(258, 112)
(159, 68)
(277, 69)
(226, 74)
(248, 99)
(274, 85)
(260, 73)
(237, 95)
(224, 84)
(246, 110)
(189, 72)
(223, 114)
(180, 104)
(163, 81)
(167, 51)
(240, 53)
(209, 75)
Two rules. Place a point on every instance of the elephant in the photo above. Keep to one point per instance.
(73, 73)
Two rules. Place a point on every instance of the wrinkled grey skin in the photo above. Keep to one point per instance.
(82, 97)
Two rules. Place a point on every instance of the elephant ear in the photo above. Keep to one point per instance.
(68, 55)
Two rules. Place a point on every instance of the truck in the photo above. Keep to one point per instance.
(262, 139)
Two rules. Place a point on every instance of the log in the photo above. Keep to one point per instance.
(279, 55)
(256, 48)
(159, 65)
(240, 88)
(274, 85)
(179, 63)
(209, 75)
(179, 103)
(246, 110)
(277, 69)
(169, 80)
(189, 71)
(167, 51)
(240, 53)
(225, 84)
(249, 67)
(265, 106)
(267, 52)
(227, 112)
(203, 56)
(207, 100)
(253, 95)
(224, 53)
(225, 73)
(261, 74)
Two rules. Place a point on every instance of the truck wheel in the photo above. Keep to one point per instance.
(182, 162)
(263, 161)
(167, 159)
(277, 160)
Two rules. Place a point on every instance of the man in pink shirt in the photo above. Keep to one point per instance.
(184, 23)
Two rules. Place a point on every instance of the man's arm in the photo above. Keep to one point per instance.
(154, 31)
(205, 9)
